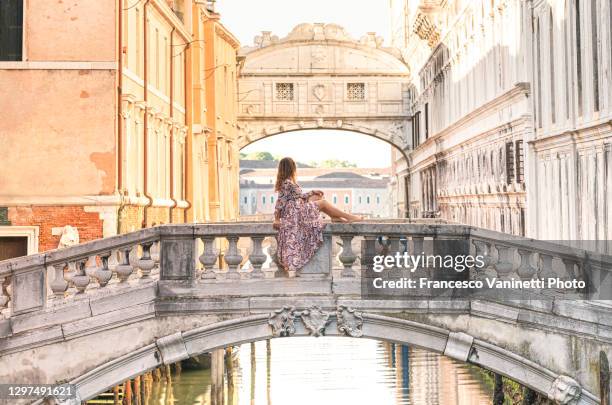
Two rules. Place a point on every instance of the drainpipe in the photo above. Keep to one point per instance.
(119, 98)
(145, 77)
(188, 122)
(174, 202)
(119, 113)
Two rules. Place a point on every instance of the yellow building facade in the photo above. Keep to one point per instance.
(134, 127)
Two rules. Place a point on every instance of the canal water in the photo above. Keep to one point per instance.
(331, 370)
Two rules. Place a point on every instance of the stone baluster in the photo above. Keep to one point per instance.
(146, 263)
(4, 295)
(59, 285)
(417, 250)
(505, 262)
(124, 269)
(394, 247)
(81, 279)
(233, 258)
(91, 267)
(546, 270)
(570, 272)
(208, 258)
(526, 270)
(155, 252)
(275, 268)
(103, 273)
(347, 256)
(483, 250)
(257, 257)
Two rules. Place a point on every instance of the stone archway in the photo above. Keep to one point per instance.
(318, 77)
(286, 322)
(389, 132)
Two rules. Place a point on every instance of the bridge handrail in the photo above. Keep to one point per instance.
(213, 252)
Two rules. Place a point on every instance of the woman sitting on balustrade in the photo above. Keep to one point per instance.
(297, 218)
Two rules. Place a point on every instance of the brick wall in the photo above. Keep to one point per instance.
(46, 218)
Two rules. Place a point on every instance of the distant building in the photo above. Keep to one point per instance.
(358, 190)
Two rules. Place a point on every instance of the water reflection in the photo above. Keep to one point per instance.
(330, 371)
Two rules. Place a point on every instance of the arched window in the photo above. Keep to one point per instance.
(346, 199)
(263, 199)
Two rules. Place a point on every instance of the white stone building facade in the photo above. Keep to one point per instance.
(511, 109)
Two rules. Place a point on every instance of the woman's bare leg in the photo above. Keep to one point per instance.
(334, 212)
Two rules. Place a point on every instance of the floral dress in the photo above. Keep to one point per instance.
(301, 227)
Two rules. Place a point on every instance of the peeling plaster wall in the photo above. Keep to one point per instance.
(58, 135)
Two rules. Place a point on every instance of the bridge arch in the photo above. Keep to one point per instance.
(344, 322)
(268, 129)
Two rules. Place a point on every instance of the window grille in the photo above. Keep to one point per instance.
(355, 91)
(284, 91)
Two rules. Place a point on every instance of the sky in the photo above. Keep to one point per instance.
(247, 18)
(324, 144)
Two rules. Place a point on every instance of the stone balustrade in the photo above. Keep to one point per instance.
(227, 253)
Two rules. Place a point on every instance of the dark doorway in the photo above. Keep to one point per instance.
(13, 246)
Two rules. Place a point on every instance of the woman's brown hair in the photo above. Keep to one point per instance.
(286, 170)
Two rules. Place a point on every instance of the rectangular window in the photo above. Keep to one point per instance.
(284, 91)
(509, 162)
(578, 58)
(355, 91)
(539, 73)
(416, 130)
(11, 30)
(551, 47)
(519, 161)
(427, 121)
(263, 200)
(346, 199)
(594, 45)
(245, 200)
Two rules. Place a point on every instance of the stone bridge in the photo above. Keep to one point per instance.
(319, 77)
(105, 311)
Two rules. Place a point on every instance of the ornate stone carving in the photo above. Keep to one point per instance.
(70, 237)
(320, 110)
(565, 390)
(315, 320)
(350, 321)
(265, 39)
(282, 321)
(319, 91)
